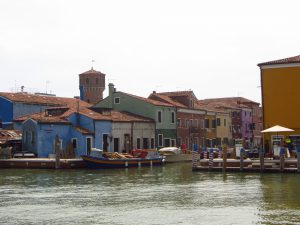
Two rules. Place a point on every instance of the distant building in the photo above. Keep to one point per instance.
(190, 121)
(91, 86)
(280, 81)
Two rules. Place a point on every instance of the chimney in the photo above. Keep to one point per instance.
(111, 88)
(154, 92)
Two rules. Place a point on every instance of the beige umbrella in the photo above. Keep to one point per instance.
(277, 129)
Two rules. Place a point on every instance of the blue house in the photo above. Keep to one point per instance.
(15, 105)
(79, 129)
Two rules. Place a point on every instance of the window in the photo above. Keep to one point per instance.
(61, 144)
(196, 123)
(87, 80)
(213, 124)
(32, 137)
(97, 81)
(178, 122)
(218, 122)
(224, 122)
(138, 143)
(173, 117)
(74, 143)
(117, 100)
(202, 123)
(160, 140)
(206, 123)
(152, 143)
(159, 116)
(187, 123)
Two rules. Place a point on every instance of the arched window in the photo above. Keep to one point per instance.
(97, 81)
(87, 80)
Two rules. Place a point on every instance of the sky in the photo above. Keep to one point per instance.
(211, 47)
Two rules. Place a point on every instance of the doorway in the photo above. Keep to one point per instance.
(105, 142)
(116, 144)
(126, 142)
(88, 145)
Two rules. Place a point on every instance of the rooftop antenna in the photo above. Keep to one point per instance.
(93, 61)
(47, 82)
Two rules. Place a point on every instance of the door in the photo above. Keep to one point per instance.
(116, 144)
(105, 142)
(88, 146)
(126, 142)
(145, 143)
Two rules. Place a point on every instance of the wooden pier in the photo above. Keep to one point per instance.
(262, 165)
(249, 165)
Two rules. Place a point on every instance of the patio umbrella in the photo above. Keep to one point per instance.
(277, 129)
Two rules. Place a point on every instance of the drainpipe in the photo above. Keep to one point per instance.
(131, 136)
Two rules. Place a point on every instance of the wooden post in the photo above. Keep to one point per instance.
(262, 159)
(241, 159)
(195, 156)
(211, 158)
(224, 157)
(57, 152)
(282, 159)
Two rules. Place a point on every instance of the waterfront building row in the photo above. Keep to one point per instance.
(122, 121)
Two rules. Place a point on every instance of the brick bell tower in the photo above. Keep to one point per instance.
(91, 86)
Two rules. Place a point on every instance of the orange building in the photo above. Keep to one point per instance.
(280, 85)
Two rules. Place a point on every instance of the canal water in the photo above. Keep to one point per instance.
(172, 194)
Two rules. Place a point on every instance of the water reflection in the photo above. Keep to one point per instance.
(160, 195)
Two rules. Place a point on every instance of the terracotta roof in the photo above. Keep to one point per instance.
(153, 102)
(294, 59)
(178, 93)
(232, 100)
(92, 71)
(167, 99)
(225, 103)
(41, 99)
(127, 117)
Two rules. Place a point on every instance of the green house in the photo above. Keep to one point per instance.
(163, 114)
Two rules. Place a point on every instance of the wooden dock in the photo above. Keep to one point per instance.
(249, 165)
(41, 163)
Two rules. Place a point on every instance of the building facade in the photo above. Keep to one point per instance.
(280, 97)
(162, 113)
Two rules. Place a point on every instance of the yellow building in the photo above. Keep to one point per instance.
(223, 131)
(280, 85)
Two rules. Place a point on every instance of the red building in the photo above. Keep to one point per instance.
(190, 121)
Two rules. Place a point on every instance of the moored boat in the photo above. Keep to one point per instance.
(99, 160)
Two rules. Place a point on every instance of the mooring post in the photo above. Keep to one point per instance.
(195, 156)
(282, 159)
(211, 158)
(262, 159)
(224, 157)
(242, 159)
(57, 152)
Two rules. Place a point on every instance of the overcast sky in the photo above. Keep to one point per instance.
(210, 47)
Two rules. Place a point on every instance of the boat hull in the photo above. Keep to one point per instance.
(102, 163)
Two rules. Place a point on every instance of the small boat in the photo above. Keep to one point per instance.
(99, 160)
(169, 151)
